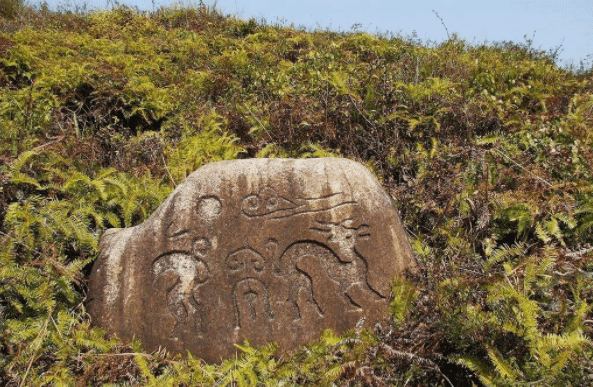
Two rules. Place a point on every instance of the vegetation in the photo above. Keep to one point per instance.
(486, 150)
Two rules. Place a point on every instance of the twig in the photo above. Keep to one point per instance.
(7, 236)
(119, 354)
(522, 167)
(258, 121)
(350, 341)
(56, 325)
(443, 23)
(49, 143)
(146, 355)
(361, 114)
(574, 254)
(169, 172)
(394, 353)
(40, 338)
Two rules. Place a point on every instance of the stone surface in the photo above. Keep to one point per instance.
(260, 249)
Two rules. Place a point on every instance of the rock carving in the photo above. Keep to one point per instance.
(265, 250)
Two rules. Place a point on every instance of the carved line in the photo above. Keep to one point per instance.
(284, 215)
(264, 294)
(179, 233)
(278, 264)
(347, 181)
(171, 232)
(272, 248)
(366, 274)
(170, 252)
(312, 295)
(353, 302)
(323, 197)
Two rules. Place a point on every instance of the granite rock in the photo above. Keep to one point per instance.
(259, 249)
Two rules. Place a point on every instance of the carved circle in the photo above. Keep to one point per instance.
(251, 204)
(201, 247)
(209, 208)
(270, 199)
(265, 202)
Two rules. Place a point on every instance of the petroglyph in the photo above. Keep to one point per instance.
(180, 274)
(209, 208)
(264, 250)
(246, 263)
(268, 203)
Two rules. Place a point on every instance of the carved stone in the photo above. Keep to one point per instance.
(261, 249)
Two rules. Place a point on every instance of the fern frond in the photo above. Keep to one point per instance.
(503, 367)
(334, 372)
(144, 368)
(482, 370)
(404, 295)
(20, 178)
(542, 233)
(22, 159)
(504, 253)
(75, 180)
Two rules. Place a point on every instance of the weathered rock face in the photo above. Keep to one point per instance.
(261, 249)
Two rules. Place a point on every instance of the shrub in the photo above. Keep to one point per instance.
(10, 8)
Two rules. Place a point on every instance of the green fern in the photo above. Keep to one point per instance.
(135, 198)
(404, 296)
(481, 368)
(521, 213)
(585, 212)
(505, 369)
(516, 301)
(504, 253)
(196, 149)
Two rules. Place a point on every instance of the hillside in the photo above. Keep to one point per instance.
(487, 152)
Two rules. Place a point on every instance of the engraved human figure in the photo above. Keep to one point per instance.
(251, 303)
(252, 307)
(246, 265)
(188, 272)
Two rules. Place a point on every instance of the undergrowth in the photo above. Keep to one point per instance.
(486, 150)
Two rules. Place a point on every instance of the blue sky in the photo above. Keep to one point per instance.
(549, 23)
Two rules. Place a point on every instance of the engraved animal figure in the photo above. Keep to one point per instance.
(319, 280)
(302, 264)
(343, 235)
(188, 273)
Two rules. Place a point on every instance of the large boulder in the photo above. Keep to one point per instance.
(261, 249)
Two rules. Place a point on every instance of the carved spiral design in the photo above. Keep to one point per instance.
(265, 202)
